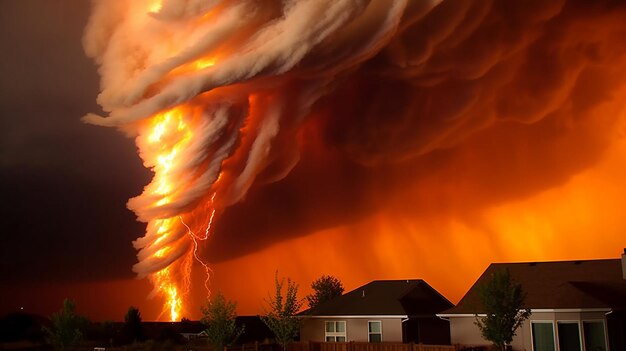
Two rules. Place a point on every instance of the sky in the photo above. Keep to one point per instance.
(420, 140)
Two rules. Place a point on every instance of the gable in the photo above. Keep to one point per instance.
(385, 298)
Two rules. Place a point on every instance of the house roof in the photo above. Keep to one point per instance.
(385, 298)
(589, 284)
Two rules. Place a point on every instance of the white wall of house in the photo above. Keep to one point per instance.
(463, 331)
(313, 329)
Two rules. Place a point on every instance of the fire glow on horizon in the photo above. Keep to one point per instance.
(222, 96)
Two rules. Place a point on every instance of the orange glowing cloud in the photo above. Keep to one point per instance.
(367, 139)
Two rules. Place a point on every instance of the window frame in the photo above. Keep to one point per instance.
(335, 334)
(532, 333)
(369, 332)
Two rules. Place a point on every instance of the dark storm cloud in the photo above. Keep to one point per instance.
(63, 184)
(479, 103)
(475, 105)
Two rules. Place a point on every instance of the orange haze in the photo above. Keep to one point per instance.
(364, 139)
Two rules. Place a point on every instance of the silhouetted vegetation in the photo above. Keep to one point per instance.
(67, 327)
(280, 312)
(133, 329)
(22, 326)
(325, 288)
(503, 302)
(219, 316)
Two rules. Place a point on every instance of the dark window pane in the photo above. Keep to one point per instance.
(374, 327)
(594, 336)
(543, 337)
(341, 339)
(375, 337)
(330, 338)
(569, 337)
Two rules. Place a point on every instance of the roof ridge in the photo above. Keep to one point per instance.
(559, 261)
(395, 280)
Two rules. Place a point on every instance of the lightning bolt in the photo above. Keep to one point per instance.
(195, 238)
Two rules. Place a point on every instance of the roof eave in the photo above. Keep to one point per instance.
(533, 310)
(359, 316)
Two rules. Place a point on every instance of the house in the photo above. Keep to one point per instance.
(193, 336)
(254, 330)
(575, 305)
(380, 311)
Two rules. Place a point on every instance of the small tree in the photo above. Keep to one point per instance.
(67, 327)
(219, 315)
(280, 312)
(325, 288)
(133, 329)
(503, 302)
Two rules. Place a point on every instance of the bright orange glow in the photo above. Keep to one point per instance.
(168, 132)
(580, 218)
(383, 141)
(173, 303)
(155, 6)
(160, 126)
(204, 63)
(161, 252)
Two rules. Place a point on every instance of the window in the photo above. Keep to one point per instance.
(374, 331)
(594, 335)
(543, 336)
(569, 336)
(335, 331)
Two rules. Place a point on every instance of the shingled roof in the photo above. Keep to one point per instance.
(385, 298)
(589, 284)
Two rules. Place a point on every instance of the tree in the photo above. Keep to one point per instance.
(280, 312)
(503, 301)
(325, 288)
(219, 315)
(133, 330)
(67, 326)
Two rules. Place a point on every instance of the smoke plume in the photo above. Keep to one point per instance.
(420, 109)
